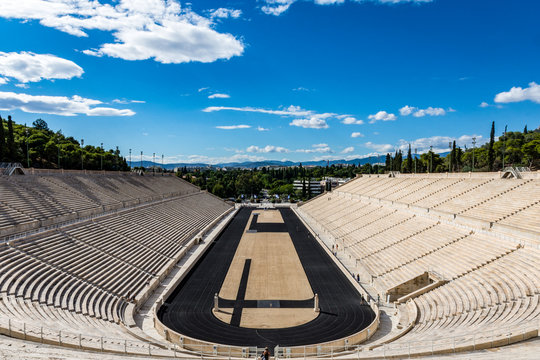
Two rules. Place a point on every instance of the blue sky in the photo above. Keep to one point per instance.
(218, 81)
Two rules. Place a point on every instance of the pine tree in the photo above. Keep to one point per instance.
(3, 149)
(525, 130)
(11, 150)
(409, 160)
(388, 162)
(491, 152)
(454, 156)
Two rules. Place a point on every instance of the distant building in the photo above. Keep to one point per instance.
(329, 183)
(311, 185)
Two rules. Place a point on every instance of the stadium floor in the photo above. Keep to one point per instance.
(189, 308)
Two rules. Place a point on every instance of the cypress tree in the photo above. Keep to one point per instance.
(525, 130)
(11, 151)
(388, 162)
(3, 149)
(409, 160)
(454, 156)
(491, 152)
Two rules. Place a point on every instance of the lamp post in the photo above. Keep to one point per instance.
(141, 161)
(154, 164)
(101, 156)
(162, 165)
(82, 154)
(474, 147)
(27, 153)
(430, 159)
(58, 147)
(451, 157)
(415, 158)
(504, 145)
(130, 159)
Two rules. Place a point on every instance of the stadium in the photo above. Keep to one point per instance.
(152, 267)
(269, 179)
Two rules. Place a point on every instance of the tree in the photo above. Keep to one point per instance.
(11, 149)
(525, 130)
(491, 153)
(388, 162)
(3, 149)
(409, 163)
(40, 124)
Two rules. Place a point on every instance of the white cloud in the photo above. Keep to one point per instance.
(30, 67)
(348, 150)
(22, 86)
(301, 88)
(267, 149)
(357, 134)
(518, 94)
(350, 120)
(416, 112)
(125, 101)
(233, 127)
(303, 118)
(317, 148)
(313, 122)
(219, 96)
(260, 128)
(381, 116)
(277, 7)
(196, 158)
(3, 81)
(379, 147)
(439, 143)
(156, 29)
(406, 110)
(224, 13)
(484, 104)
(203, 89)
(57, 105)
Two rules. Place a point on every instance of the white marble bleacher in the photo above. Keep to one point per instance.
(80, 278)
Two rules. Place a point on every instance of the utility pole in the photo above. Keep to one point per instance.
(474, 147)
(82, 154)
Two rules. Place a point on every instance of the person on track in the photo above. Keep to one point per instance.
(266, 354)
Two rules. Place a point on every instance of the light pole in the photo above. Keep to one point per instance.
(504, 145)
(101, 156)
(82, 154)
(474, 147)
(154, 164)
(141, 161)
(129, 159)
(451, 157)
(162, 165)
(430, 159)
(27, 153)
(58, 146)
(415, 158)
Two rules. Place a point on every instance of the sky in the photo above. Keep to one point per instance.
(236, 80)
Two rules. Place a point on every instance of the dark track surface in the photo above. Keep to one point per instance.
(189, 308)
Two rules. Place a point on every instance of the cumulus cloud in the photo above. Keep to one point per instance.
(224, 13)
(233, 127)
(316, 148)
(381, 116)
(302, 118)
(219, 96)
(157, 29)
(3, 81)
(357, 134)
(267, 149)
(348, 150)
(260, 128)
(350, 120)
(484, 104)
(205, 159)
(30, 67)
(416, 112)
(58, 105)
(278, 7)
(439, 143)
(379, 147)
(518, 94)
